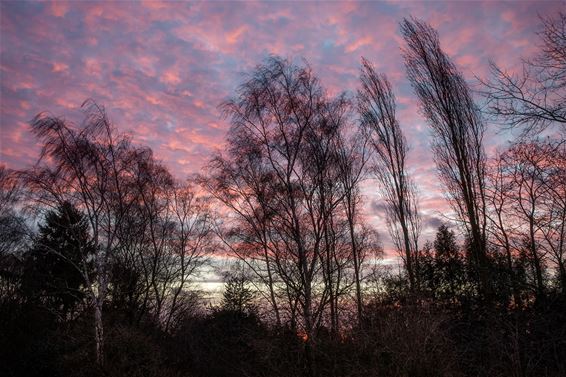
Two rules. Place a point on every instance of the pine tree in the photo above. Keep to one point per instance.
(238, 297)
(52, 274)
(449, 264)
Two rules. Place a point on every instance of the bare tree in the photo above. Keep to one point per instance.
(274, 110)
(290, 179)
(150, 234)
(457, 129)
(502, 228)
(242, 183)
(191, 244)
(352, 160)
(165, 238)
(86, 166)
(376, 105)
(9, 190)
(153, 185)
(14, 234)
(13, 229)
(535, 207)
(533, 99)
(555, 224)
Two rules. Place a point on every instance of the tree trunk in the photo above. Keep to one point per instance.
(99, 333)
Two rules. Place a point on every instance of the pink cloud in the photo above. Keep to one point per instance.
(162, 68)
(359, 43)
(235, 35)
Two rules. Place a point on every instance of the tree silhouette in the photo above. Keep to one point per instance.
(237, 296)
(458, 130)
(533, 99)
(376, 105)
(52, 273)
(449, 265)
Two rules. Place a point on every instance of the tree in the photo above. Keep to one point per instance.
(426, 270)
(290, 178)
(274, 117)
(191, 244)
(13, 229)
(442, 268)
(376, 105)
(88, 167)
(501, 224)
(449, 265)
(533, 99)
(555, 230)
(457, 129)
(14, 235)
(237, 296)
(52, 275)
(242, 183)
(352, 160)
(534, 172)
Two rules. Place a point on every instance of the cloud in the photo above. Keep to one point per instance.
(162, 68)
(433, 222)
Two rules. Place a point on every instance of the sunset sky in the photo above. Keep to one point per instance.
(161, 69)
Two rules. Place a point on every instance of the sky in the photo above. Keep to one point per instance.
(162, 69)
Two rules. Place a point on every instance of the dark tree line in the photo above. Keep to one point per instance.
(101, 246)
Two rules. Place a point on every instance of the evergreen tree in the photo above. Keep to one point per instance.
(426, 270)
(450, 271)
(238, 297)
(52, 273)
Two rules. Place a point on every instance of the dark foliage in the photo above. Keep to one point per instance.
(52, 275)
